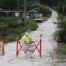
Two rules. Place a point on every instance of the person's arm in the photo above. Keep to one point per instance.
(30, 39)
(22, 40)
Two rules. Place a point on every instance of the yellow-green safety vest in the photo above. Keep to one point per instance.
(27, 39)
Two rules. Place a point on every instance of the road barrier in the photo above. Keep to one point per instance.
(2, 52)
(37, 46)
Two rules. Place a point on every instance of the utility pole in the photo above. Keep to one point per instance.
(38, 1)
(18, 4)
(35, 1)
(24, 10)
(63, 9)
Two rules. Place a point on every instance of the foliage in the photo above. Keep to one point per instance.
(8, 4)
(61, 7)
(62, 48)
(31, 6)
(49, 2)
(10, 27)
(60, 4)
(13, 4)
(61, 33)
(42, 9)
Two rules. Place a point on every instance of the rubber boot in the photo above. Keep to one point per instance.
(26, 54)
(30, 54)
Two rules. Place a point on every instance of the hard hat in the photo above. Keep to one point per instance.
(26, 33)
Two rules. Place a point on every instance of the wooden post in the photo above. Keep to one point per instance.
(3, 52)
(0, 48)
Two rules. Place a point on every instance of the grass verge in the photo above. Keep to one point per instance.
(62, 48)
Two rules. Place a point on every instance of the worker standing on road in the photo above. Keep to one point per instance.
(26, 43)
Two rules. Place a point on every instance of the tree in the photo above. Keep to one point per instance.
(61, 7)
(49, 2)
(8, 4)
(13, 4)
(1, 1)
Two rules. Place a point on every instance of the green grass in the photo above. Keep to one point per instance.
(9, 38)
(62, 48)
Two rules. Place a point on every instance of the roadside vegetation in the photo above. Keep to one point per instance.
(11, 26)
(61, 48)
(40, 9)
(44, 10)
(60, 34)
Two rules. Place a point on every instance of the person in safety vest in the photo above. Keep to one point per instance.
(26, 44)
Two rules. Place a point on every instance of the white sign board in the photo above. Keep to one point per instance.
(16, 14)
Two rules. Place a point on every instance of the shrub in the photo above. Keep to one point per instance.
(30, 6)
(9, 29)
(31, 24)
(42, 9)
(62, 48)
(9, 38)
(39, 8)
(62, 32)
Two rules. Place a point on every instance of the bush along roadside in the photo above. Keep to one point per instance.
(9, 28)
(61, 48)
(40, 9)
(44, 10)
(60, 36)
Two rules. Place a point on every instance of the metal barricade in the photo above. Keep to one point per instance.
(36, 44)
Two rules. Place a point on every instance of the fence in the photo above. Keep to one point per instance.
(35, 43)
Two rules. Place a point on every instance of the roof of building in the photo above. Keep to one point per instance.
(1, 9)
